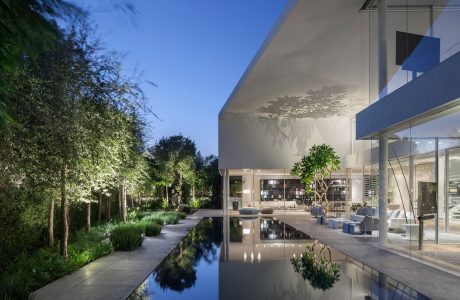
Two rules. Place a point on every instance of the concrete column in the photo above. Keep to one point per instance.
(383, 187)
(383, 147)
(348, 189)
(446, 192)
(411, 183)
(225, 191)
(436, 174)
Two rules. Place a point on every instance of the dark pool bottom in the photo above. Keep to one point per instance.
(238, 258)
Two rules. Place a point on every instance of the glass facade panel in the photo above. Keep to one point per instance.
(419, 37)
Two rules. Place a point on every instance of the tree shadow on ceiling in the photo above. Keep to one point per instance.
(329, 101)
(280, 118)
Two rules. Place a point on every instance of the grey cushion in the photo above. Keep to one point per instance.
(249, 211)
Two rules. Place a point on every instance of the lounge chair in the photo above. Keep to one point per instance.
(316, 211)
(249, 211)
(398, 219)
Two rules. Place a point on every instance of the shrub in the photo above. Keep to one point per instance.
(127, 237)
(30, 272)
(164, 217)
(195, 203)
(152, 229)
(13, 293)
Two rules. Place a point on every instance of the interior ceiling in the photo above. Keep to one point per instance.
(316, 51)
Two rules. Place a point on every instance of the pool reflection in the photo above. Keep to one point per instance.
(238, 258)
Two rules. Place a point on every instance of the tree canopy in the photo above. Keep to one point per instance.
(313, 169)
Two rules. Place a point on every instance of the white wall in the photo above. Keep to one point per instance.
(257, 143)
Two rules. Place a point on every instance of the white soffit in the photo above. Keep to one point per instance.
(317, 48)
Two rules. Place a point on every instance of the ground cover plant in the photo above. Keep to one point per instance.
(31, 271)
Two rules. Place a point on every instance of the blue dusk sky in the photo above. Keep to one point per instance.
(195, 51)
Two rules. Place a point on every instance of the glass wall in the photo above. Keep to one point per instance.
(423, 187)
(419, 37)
(279, 191)
(273, 190)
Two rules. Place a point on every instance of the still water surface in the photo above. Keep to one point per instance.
(238, 258)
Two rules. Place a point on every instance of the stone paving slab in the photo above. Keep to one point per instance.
(430, 281)
(117, 275)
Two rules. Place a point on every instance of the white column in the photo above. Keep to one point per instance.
(383, 147)
(383, 187)
(225, 191)
(382, 50)
(348, 190)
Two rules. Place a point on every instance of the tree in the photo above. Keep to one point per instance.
(27, 27)
(314, 168)
(175, 159)
(78, 128)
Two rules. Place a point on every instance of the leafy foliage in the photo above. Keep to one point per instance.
(29, 272)
(315, 167)
(319, 271)
(173, 160)
(26, 28)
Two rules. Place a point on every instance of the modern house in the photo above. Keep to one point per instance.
(378, 80)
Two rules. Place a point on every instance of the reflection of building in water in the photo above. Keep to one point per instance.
(255, 264)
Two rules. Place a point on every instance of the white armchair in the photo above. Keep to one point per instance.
(398, 219)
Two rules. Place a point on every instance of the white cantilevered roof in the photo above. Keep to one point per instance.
(315, 45)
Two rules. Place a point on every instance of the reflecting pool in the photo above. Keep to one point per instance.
(240, 258)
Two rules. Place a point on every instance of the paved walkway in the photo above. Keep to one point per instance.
(432, 282)
(117, 275)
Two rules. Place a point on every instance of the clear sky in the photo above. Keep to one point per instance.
(194, 50)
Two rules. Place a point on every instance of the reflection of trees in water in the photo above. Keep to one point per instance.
(178, 271)
(141, 292)
(329, 101)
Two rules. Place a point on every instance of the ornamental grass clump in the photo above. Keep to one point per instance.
(164, 217)
(152, 229)
(127, 237)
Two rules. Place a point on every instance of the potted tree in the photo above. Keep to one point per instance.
(315, 168)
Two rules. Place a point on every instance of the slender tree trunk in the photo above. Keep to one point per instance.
(180, 189)
(120, 201)
(167, 196)
(99, 207)
(51, 223)
(109, 206)
(88, 216)
(125, 204)
(193, 191)
(132, 200)
(107, 200)
(64, 214)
